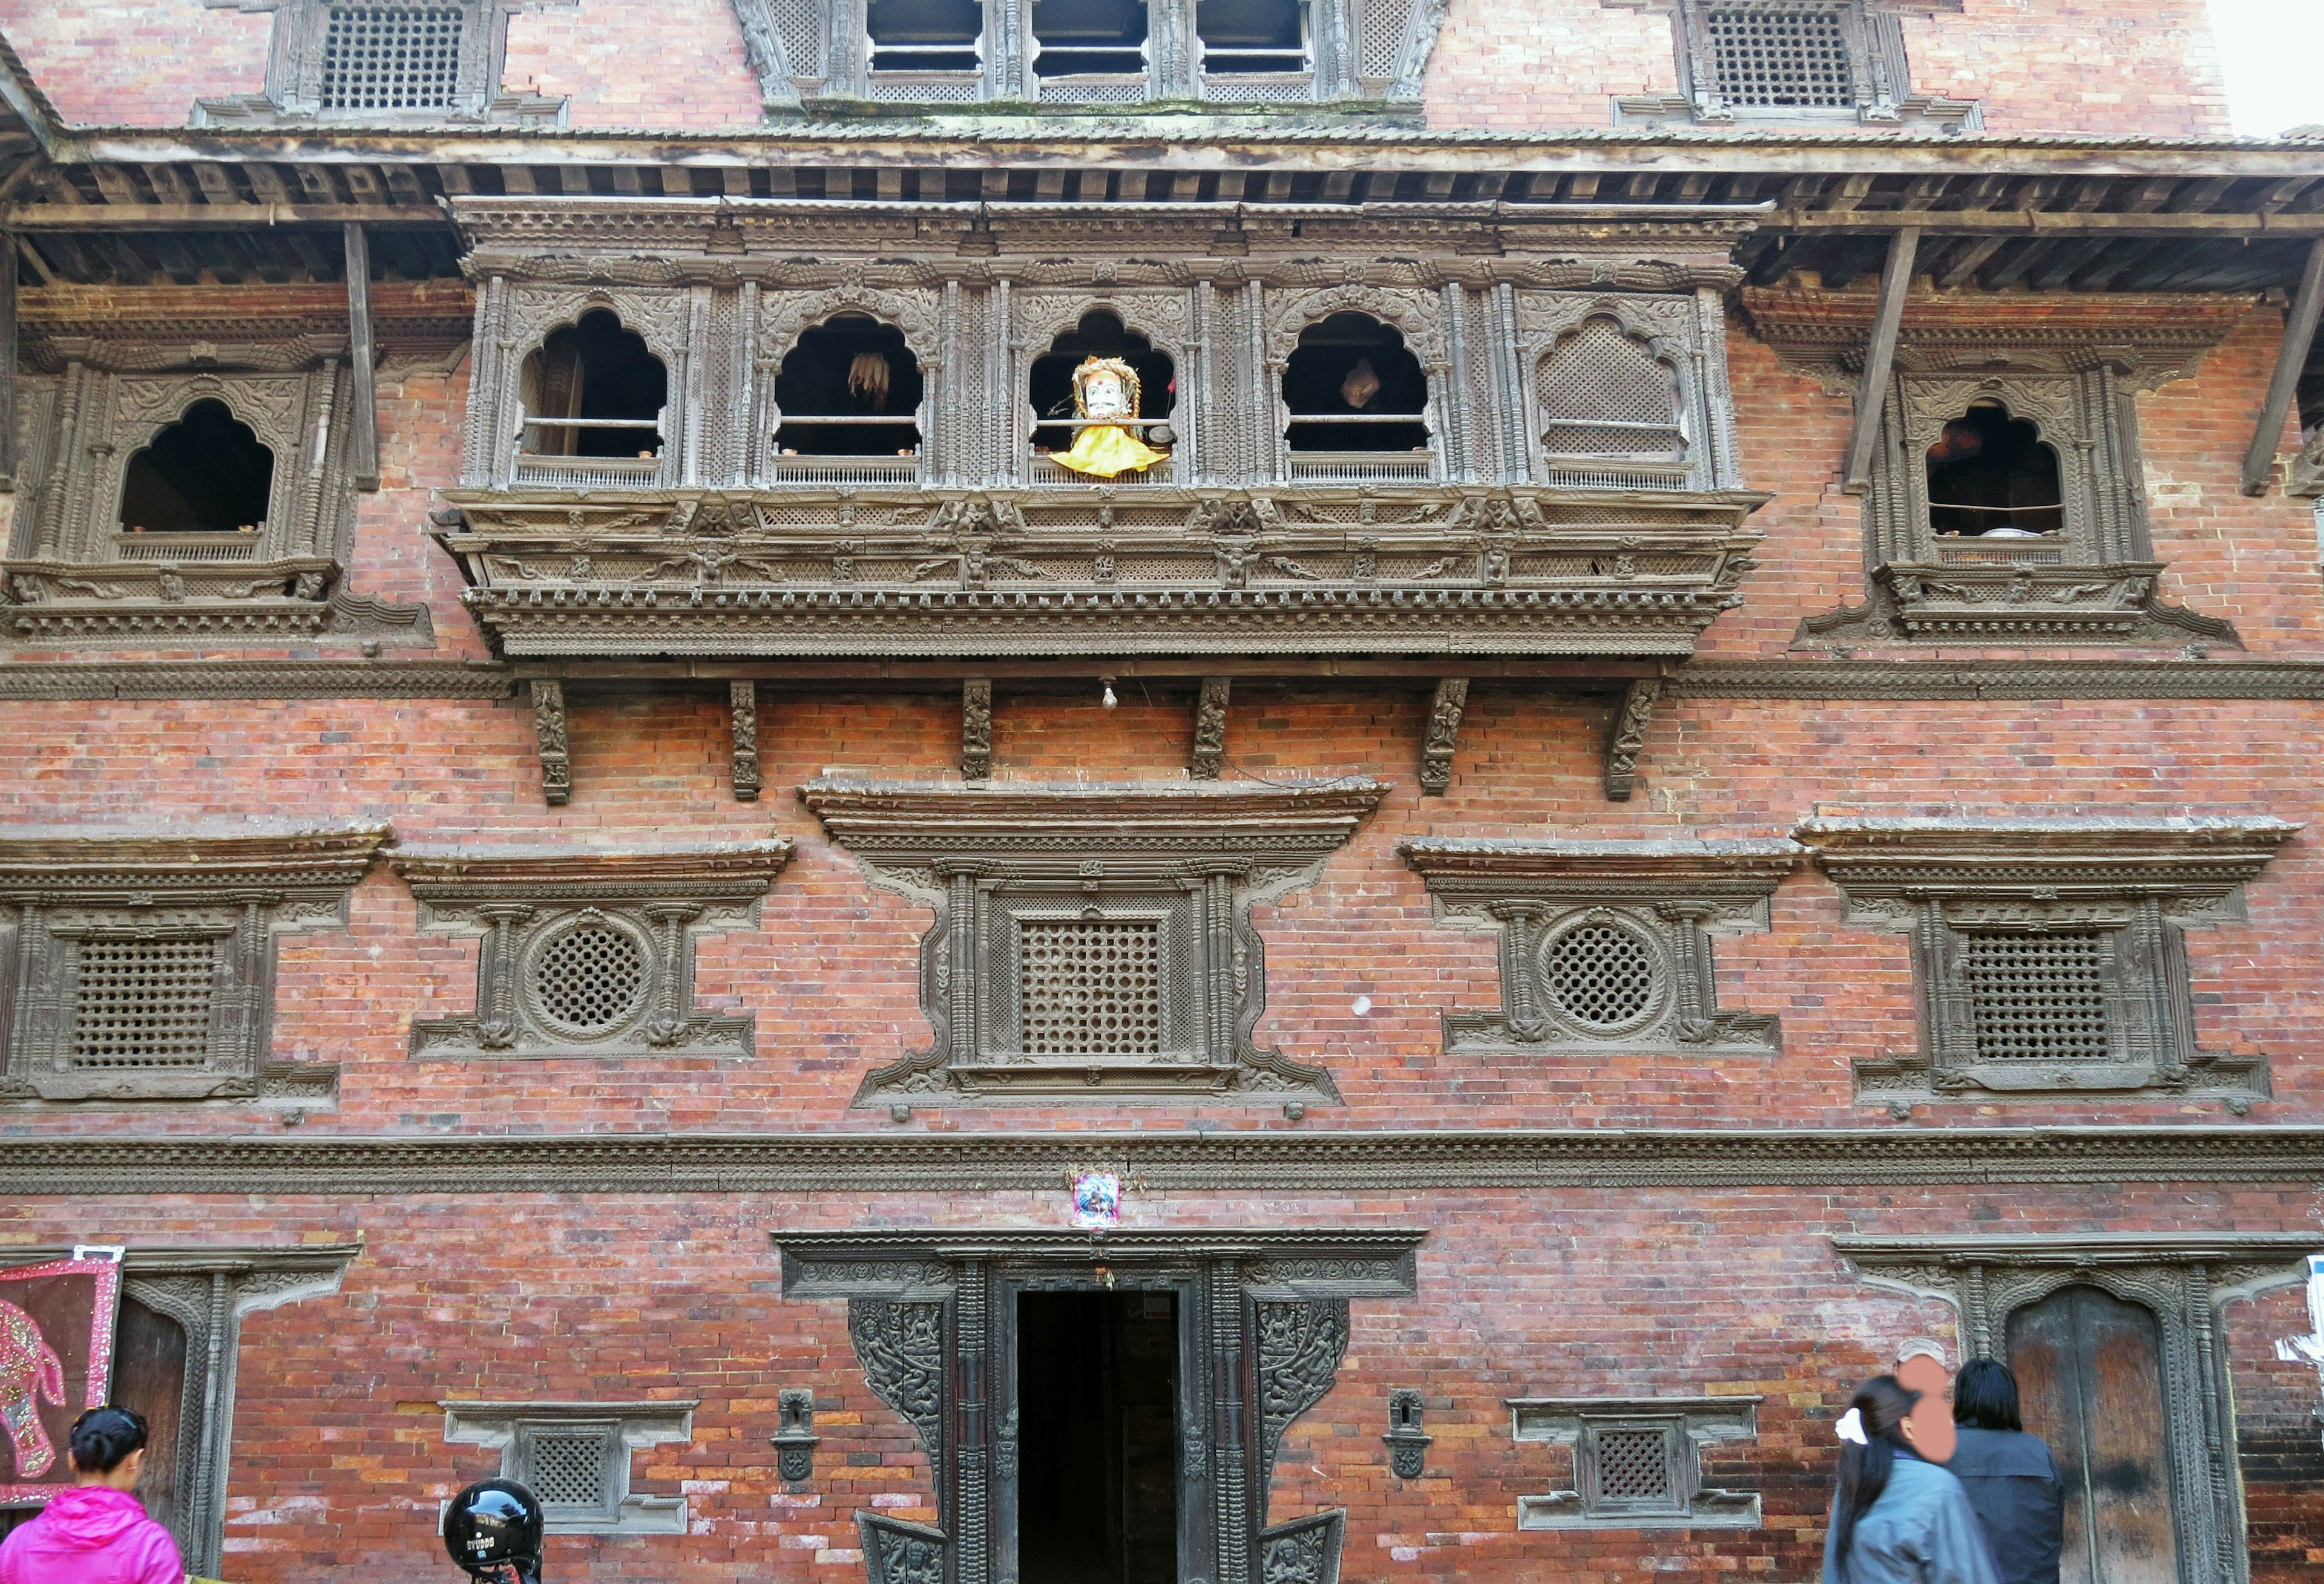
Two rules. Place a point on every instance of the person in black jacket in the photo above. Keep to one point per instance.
(2010, 1477)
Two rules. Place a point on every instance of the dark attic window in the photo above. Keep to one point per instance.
(850, 388)
(1351, 385)
(926, 35)
(205, 474)
(1251, 35)
(1990, 475)
(594, 390)
(1100, 335)
(1088, 38)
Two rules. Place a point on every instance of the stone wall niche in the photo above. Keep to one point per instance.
(1092, 939)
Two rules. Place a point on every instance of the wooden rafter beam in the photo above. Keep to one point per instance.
(1879, 358)
(362, 437)
(2042, 223)
(2290, 358)
(136, 217)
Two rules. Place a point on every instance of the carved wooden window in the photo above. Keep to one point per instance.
(2050, 955)
(1623, 391)
(1792, 61)
(1049, 389)
(575, 1458)
(1091, 939)
(143, 965)
(188, 504)
(2117, 1343)
(1254, 1328)
(596, 403)
(384, 61)
(1605, 396)
(1088, 54)
(849, 400)
(1357, 402)
(1606, 945)
(1638, 1461)
(589, 954)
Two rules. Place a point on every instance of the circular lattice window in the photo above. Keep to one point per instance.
(590, 976)
(1603, 975)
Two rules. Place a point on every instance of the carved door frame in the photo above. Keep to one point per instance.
(1263, 1325)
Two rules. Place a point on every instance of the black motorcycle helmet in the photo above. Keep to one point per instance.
(492, 1524)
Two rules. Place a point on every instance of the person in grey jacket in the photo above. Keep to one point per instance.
(1896, 1519)
(2010, 1477)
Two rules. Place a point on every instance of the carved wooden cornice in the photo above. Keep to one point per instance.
(1466, 866)
(884, 818)
(2193, 856)
(1089, 571)
(728, 869)
(203, 1258)
(291, 326)
(2072, 1248)
(1319, 1262)
(196, 861)
(1239, 1160)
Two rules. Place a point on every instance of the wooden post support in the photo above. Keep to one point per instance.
(1210, 728)
(976, 729)
(548, 727)
(1880, 358)
(1443, 735)
(1627, 734)
(744, 698)
(362, 432)
(7, 366)
(2290, 358)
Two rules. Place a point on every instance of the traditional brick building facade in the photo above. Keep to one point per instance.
(1693, 764)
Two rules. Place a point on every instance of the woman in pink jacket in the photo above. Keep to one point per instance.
(97, 1532)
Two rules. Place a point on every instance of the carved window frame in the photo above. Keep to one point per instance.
(782, 319)
(624, 1429)
(75, 576)
(1685, 1425)
(2141, 882)
(1668, 897)
(521, 905)
(813, 56)
(240, 892)
(514, 320)
(208, 1292)
(1263, 1325)
(1881, 81)
(294, 70)
(1687, 334)
(979, 854)
(2185, 1282)
(1417, 315)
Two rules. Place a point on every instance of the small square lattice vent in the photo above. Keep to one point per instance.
(1380, 39)
(2038, 997)
(144, 1003)
(1092, 986)
(392, 57)
(567, 1469)
(1780, 57)
(1634, 1466)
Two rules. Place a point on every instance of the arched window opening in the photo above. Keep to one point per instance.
(1990, 475)
(1603, 394)
(205, 474)
(1074, 401)
(1088, 38)
(1351, 385)
(926, 35)
(594, 390)
(850, 388)
(1251, 35)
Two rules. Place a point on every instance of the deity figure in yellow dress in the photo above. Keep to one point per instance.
(1104, 388)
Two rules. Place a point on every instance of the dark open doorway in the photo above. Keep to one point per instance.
(1097, 1394)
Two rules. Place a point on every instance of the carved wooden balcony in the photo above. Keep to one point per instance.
(1401, 569)
(154, 597)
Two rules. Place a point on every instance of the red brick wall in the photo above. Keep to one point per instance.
(340, 1460)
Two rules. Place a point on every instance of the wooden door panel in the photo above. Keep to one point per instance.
(2089, 1370)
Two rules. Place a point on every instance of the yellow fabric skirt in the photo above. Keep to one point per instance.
(1106, 450)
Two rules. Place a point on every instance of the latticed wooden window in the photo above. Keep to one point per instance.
(1630, 1468)
(1092, 986)
(2038, 997)
(1605, 394)
(392, 57)
(591, 977)
(1779, 57)
(144, 1003)
(571, 1469)
(1602, 974)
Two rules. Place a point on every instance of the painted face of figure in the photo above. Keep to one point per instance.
(1930, 1427)
(1105, 394)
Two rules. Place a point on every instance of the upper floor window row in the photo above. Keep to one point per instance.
(1066, 54)
(851, 402)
